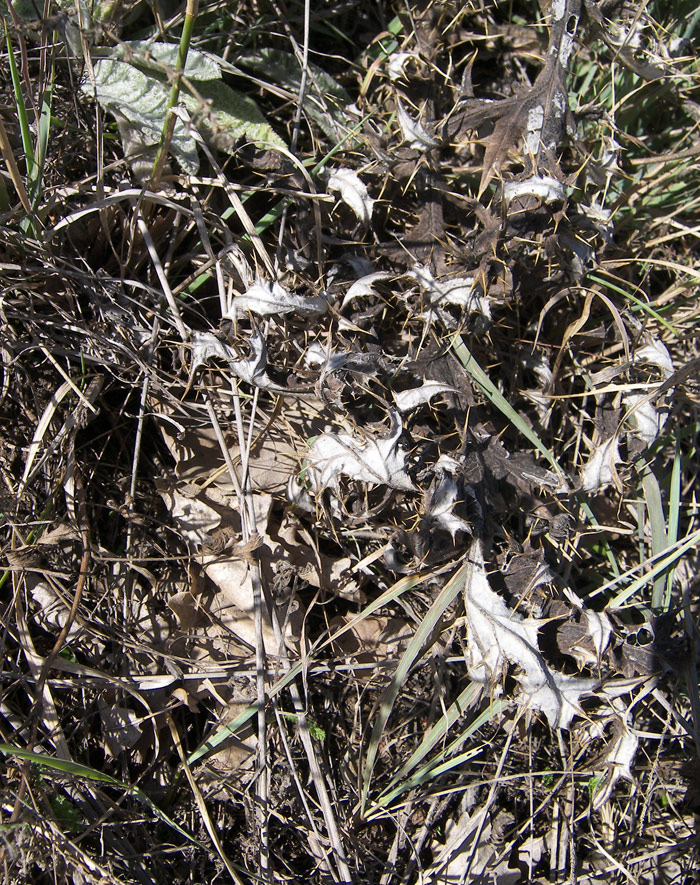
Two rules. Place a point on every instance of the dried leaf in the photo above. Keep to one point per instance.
(599, 471)
(441, 504)
(364, 286)
(546, 188)
(369, 459)
(657, 354)
(272, 299)
(497, 636)
(397, 62)
(413, 131)
(372, 640)
(408, 400)
(206, 346)
(647, 422)
(461, 291)
(120, 728)
(352, 192)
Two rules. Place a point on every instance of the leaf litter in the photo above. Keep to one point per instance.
(328, 457)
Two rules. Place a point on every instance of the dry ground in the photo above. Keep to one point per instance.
(348, 423)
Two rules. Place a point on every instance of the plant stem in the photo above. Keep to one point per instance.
(191, 10)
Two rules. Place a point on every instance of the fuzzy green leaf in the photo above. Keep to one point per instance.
(325, 101)
(161, 57)
(141, 100)
(230, 117)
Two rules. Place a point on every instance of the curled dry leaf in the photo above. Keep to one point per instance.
(497, 637)
(548, 189)
(272, 299)
(408, 400)
(397, 62)
(619, 754)
(377, 460)
(364, 286)
(646, 421)
(599, 471)
(413, 131)
(656, 353)
(460, 291)
(440, 505)
(206, 346)
(353, 193)
(472, 850)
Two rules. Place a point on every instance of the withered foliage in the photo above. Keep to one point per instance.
(348, 488)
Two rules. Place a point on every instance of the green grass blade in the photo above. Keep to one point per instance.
(501, 403)
(657, 522)
(674, 514)
(673, 554)
(445, 760)
(21, 108)
(446, 596)
(84, 771)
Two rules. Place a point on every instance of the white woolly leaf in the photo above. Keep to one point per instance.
(548, 189)
(413, 131)
(497, 636)
(460, 291)
(407, 400)
(376, 460)
(364, 286)
(599, 471)
(440, 508)
(162, 57)
(352, 192)
(272, 299)
(397, 62)
(142, 101)
(206, 346)
(647, 422)
(657, 354)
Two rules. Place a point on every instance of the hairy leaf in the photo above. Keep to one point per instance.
(352, 192)
(272, 299)
(497, 636)
(142, 101)
(230, 117)
(366, 459)
(161, 58)
(325, 100)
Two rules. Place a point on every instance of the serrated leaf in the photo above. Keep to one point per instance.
(232, 116)
(155, 57)
(125, 91)
(352, 192)
(414, 133)
(272, 299)
(374, 460)
(498, 636)
(325, 100)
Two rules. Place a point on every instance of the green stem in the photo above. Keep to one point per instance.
(169, 124)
